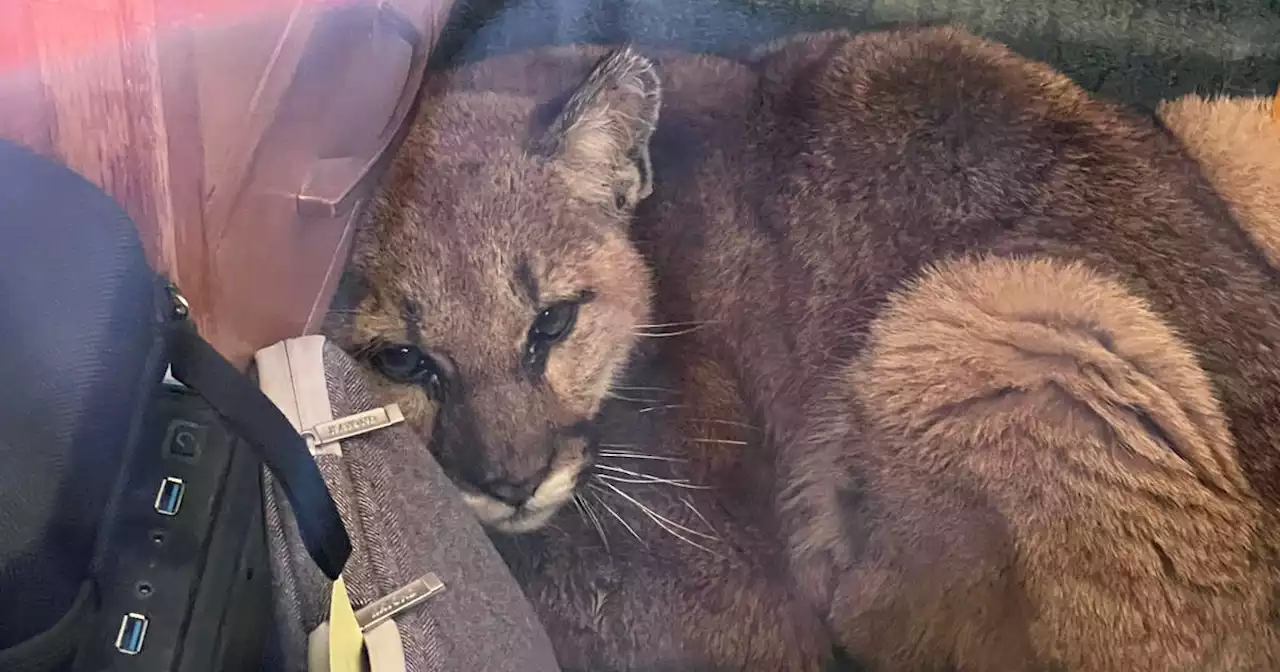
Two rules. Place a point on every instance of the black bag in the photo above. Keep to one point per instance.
(131, 530)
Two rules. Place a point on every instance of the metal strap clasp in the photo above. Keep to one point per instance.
(352, 426)
(400, 601)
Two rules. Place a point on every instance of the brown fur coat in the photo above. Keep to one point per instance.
(1013, 347)
(1022, 380)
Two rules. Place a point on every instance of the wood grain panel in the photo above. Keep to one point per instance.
(182, 219)
(203, 118)
(25, 109)
(104, 106)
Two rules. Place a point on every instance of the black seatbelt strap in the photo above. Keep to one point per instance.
(252, 416)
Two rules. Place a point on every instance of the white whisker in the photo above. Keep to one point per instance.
(651, 477)
(634, 400)
(698, 513)
(617, 517)
(629, 472)
(662, 522)
(665, 334)
(658, 515)
(595, 522)
(623, 455)
(730, 423)
(674, 325)
(664, 407)
(644, 389)
(653, 481)
(727, 442)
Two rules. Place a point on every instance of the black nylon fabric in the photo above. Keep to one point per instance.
(79, 350)
(86, 331)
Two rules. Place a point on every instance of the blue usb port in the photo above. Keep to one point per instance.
(169, 498)
(133, 630)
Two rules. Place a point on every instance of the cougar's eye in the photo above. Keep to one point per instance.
(554, 323)
(406, 364)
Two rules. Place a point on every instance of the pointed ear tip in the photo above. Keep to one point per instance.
(629, 53)
(629, 59)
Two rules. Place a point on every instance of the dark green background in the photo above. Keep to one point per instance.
(1137, 51)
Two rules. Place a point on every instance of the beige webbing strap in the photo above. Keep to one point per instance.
(318, 649)
(291, 374)
(376, 619)
(384, 650)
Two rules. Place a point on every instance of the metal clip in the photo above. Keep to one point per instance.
(352, 426)
(400, 601)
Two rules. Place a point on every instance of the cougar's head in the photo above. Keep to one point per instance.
(497, 292)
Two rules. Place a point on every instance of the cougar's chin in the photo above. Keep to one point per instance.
(553, 493)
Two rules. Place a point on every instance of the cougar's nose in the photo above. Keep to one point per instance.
(513, 493)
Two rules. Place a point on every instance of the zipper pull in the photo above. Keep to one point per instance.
(181, 308)
(402, 600)
(329, 433)
(179, 311)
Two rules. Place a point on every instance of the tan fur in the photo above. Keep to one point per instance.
(1000, 366)
(490, 182)
(1015, 357)
(1081, 418)
(459, 262)
(1237, 142)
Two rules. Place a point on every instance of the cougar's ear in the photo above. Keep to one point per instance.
(600, 139)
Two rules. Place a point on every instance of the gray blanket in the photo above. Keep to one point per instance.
(1136, 51)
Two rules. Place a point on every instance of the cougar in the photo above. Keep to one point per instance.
(1013, 353)
(1001, 355)
(495, 288)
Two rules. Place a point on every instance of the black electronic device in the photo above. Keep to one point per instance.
(185, 584)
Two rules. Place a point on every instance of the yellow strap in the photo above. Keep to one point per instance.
(346, 642)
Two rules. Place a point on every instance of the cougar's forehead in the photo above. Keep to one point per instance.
(478, 303)
(471, 273)
(474, 234)
(467, 181)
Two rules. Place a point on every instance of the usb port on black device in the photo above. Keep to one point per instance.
(169, 497)
(133, 630)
